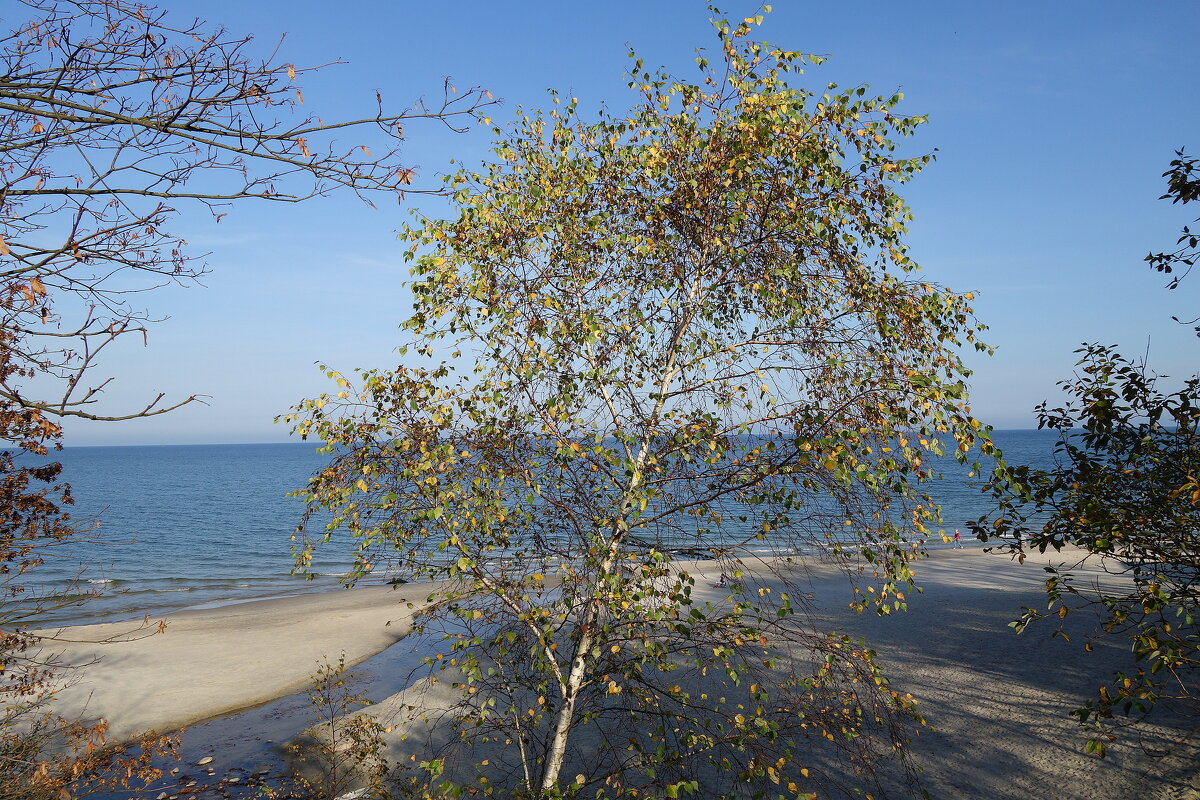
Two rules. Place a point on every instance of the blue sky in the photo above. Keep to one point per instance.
(1052, 121)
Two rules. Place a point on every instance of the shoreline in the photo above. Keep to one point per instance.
(255, 650)
(192, 666)
(92, 611)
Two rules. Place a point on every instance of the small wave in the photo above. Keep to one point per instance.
(101, 580)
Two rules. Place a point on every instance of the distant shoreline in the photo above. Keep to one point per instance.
(315, 443)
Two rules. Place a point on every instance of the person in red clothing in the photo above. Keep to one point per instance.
(957, 538)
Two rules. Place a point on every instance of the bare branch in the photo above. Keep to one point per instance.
(115, 120)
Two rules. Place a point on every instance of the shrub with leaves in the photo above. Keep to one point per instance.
(1124, 488)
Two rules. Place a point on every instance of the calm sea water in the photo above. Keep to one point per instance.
(187, 526)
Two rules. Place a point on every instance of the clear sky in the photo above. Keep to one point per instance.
(1053, 123)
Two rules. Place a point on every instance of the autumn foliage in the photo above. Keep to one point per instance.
(691, 331)
(114, 119)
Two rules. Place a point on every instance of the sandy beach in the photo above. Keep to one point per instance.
(998, 702)
(202, 664)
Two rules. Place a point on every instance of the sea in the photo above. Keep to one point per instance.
(172, 527)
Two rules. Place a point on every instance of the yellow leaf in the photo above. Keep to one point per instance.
(291, 69)
(4, 251)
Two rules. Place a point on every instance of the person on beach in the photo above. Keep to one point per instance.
(957, 538)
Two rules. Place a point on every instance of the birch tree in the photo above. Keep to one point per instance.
(683, 341)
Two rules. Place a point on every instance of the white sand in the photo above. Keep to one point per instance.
(212, 662)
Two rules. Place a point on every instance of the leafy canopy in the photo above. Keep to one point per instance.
(692, 331)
